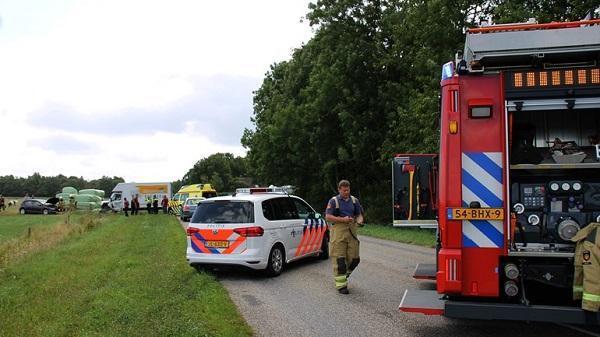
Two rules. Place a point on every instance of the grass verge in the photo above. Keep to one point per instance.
(415, 236)
(128, 277)
(39, 233)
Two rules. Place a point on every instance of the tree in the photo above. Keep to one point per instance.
(365, 87)
(223, 170)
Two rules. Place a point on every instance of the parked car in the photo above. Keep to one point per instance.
(257, 228)
(189, 206)
(37, 206)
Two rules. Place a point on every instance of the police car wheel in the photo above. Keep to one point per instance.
(324, 255)
(276, 261)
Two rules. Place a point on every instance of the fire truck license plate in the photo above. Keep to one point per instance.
(476, 214)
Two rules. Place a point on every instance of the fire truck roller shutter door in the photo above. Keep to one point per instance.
(482, 182)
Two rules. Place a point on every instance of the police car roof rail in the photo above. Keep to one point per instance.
(271, 189)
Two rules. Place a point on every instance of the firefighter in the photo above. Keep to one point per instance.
(125, 206)
(346, 214)
(586, 283)
(165, 204)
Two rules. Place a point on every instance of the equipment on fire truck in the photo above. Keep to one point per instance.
(514, 88)
(414, 190)
(566, 152)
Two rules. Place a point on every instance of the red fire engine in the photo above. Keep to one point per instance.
(519, 173)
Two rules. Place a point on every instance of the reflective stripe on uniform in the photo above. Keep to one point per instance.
(591, 297)
(577, 289)
(341, 281)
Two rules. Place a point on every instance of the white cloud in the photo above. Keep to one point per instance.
(103, 58)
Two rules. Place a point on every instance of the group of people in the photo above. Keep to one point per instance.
(151, 205)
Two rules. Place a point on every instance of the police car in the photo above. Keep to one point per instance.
(257, 228)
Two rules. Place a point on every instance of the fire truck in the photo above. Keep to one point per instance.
(519, 174)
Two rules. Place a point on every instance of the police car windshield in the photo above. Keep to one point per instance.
(224, 211)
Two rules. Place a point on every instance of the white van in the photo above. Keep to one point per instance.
(141, 190)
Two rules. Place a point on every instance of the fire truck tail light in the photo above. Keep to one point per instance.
(453, 127)
(452, 270)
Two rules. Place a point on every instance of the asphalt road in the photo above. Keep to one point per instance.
(302, 301)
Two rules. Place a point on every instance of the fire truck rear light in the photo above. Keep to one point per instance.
(249, 231)
(511, 289)
(569, 77)
(511, 271)
(451, 270)
(596, 76)
(453, 127)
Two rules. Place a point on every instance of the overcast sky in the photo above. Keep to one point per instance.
(138, 89)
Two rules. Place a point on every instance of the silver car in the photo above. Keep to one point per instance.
(187, 211)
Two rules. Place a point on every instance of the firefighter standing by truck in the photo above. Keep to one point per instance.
(586, 283)
(346, 214)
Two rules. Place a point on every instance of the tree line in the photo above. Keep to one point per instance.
(48, 186)
(365, 87)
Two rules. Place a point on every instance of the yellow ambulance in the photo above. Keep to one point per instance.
(186, 191)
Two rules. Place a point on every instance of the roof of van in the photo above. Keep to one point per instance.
(195, 188)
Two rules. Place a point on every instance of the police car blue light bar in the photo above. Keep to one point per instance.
(447, 70)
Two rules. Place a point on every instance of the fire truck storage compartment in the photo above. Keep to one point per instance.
(414, 189)
(554, 172)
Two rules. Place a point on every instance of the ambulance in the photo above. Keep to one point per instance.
(187, 191)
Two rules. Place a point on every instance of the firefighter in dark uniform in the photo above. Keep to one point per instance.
(155, 205)
(346, 214)
(149, 205)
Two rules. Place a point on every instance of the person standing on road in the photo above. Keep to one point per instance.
(125, 206)
(346, 214)
(133, 205)
(155, 204)
(165, 204)
(136, 202)
(149, 205)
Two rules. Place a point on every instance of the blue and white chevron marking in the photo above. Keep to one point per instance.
(482, 181)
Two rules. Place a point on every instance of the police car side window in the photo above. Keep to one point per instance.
(303, 210)
(284, 209)
(267, 207)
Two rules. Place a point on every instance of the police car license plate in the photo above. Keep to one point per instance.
(475, 214)
(217, 244)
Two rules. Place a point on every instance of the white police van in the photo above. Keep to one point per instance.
(258, 228)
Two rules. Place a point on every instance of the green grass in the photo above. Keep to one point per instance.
(127, 277)
(415, 236)
(13, 225)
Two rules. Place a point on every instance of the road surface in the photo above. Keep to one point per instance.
(302, 301)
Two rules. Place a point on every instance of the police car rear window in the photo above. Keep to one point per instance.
(224, 211)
